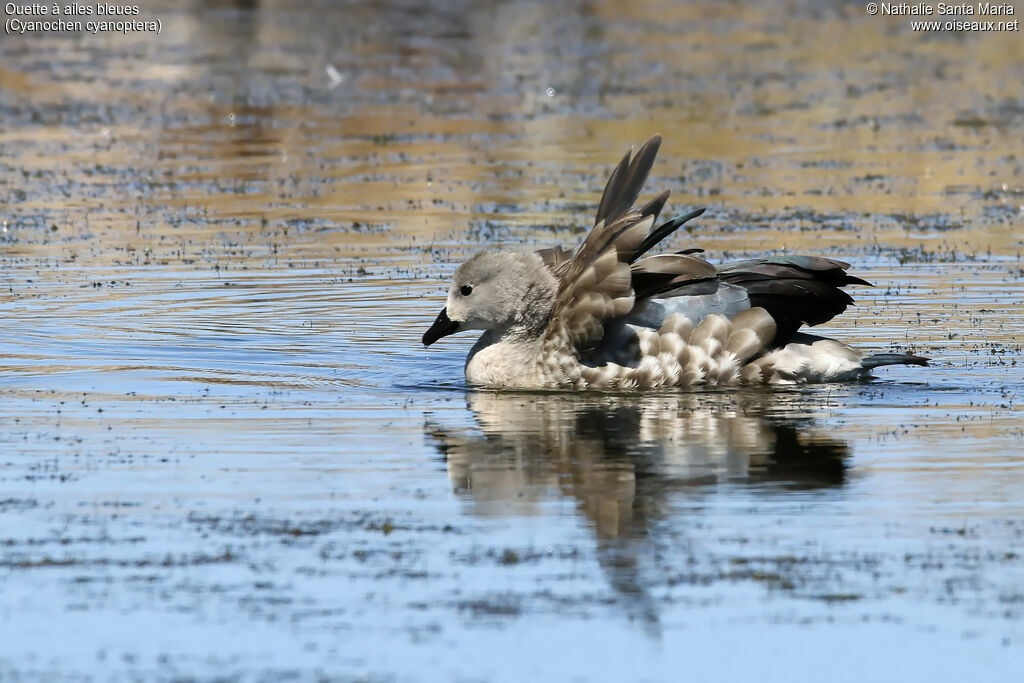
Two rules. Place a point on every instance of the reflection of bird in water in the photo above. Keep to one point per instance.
(620, 457)
(598, 448)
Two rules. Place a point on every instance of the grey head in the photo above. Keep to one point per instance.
(507, 293)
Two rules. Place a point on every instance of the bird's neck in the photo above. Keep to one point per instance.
(501, 361)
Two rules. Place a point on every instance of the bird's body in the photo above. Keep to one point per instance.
(608, 317)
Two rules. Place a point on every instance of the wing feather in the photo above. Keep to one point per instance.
(556, 259)
(627, 181)
(796, 290)
(598, 281)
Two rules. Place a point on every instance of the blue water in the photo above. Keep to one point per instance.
(225, 455)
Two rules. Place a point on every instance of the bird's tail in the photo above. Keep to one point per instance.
(880, 359)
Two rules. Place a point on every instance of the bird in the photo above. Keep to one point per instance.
(611, 317)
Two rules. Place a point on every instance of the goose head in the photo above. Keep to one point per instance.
(506, 293)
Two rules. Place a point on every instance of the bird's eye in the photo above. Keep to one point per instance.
(465, 290)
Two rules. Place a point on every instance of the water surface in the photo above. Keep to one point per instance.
(226, 454)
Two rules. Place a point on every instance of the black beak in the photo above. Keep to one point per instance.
(442, 327)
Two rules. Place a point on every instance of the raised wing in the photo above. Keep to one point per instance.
(603, 278)
(609, 274)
